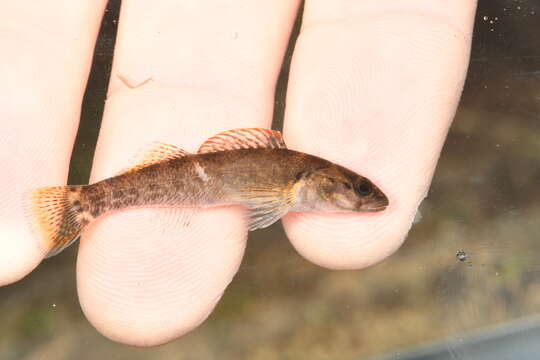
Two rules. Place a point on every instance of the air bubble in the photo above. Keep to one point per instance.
(461, 255)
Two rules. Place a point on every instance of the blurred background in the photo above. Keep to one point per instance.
(467, 277)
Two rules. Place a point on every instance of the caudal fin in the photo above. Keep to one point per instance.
(57, 216)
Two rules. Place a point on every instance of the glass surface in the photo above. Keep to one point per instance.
(468, 272)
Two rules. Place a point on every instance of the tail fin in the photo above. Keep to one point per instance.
(57, 216)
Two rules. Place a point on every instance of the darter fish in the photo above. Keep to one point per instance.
(250, 167)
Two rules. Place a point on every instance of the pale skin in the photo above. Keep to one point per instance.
(373, 86)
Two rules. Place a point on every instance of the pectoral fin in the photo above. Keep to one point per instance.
(266, 205)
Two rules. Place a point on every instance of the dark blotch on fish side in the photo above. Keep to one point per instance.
(98, 208)
(76, 206)
(153, 196)
(133, 192)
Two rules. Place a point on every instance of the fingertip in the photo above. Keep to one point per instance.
(348, 242)
(147, 276)
(351, 109)
(19, 254)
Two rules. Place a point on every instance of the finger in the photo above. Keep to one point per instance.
(374, 87)
(40, 98)
(182, 72)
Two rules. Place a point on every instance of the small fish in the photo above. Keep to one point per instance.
(250, 167)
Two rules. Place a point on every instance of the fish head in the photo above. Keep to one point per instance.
(337, 189)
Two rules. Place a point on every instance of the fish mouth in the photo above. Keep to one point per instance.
(375, 205)
(374, 208)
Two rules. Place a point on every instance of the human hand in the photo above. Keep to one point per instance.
(373, 87)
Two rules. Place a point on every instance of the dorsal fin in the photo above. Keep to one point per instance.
(245, 138)
(156, 153)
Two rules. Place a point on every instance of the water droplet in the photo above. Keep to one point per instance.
(518, 7)
(54, 306)
(486, 18)
(533, 12)
(461, 255)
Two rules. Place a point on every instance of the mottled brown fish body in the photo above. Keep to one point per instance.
(249, 167)
(198, 180)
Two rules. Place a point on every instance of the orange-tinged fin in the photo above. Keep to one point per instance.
(266, 204)
(158, 152)
(57, 216)
(246, 138)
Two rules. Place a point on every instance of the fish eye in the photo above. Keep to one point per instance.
(363, 189)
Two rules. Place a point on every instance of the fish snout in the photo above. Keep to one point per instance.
(376, 202)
